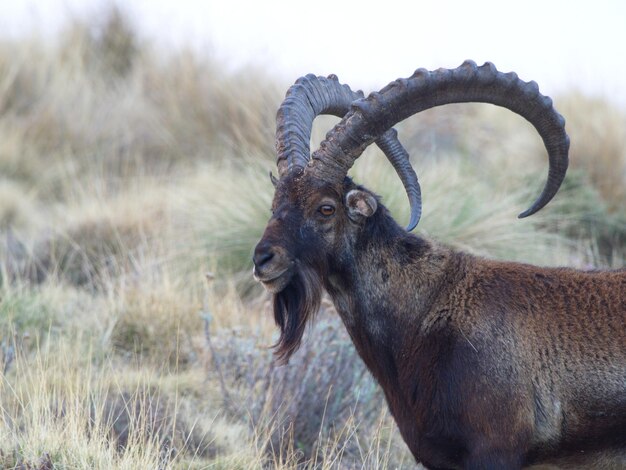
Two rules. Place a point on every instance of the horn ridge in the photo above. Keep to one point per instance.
(311, 96)
(372, 116)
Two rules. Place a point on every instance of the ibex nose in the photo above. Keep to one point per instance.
(263, 253)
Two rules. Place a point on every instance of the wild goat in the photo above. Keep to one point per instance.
(484, 364)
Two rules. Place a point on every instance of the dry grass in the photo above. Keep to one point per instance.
(598, 145)
(128, 173)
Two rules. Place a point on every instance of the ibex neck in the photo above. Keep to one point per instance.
(385, 291)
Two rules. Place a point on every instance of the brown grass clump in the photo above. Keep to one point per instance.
(156, 324)
(90, 238)
(17, 207)
(140, 416)
(598, 145)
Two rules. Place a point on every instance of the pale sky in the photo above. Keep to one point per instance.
(560, 44)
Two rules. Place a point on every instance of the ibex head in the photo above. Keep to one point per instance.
(320, 216)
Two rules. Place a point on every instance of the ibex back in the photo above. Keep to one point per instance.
(485, 364)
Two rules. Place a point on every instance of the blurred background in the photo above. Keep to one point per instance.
(561, 45)
(135, 144)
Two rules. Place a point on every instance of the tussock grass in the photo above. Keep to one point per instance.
(598, 146)
(17, 206)
(156, 323)
(87, 417)
(129, 173)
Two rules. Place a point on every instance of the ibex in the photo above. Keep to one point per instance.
(484, 364)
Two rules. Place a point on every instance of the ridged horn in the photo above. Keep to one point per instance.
(311, 96)
(372, 116)
(399, 158)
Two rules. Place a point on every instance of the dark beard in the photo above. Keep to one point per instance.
(294, 306)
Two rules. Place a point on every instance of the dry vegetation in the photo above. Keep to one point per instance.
(127, 174)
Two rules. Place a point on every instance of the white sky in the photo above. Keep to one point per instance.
(560, 44)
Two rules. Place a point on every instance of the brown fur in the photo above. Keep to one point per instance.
(485, 364)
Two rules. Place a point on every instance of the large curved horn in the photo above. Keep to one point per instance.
(306, 99)
(399, 158)
(311, 96)
(372, 116)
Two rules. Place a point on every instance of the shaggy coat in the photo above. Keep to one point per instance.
(484, 364)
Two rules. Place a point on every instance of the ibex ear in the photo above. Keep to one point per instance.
(360, 204)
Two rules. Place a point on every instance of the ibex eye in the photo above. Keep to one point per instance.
(326, 210)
